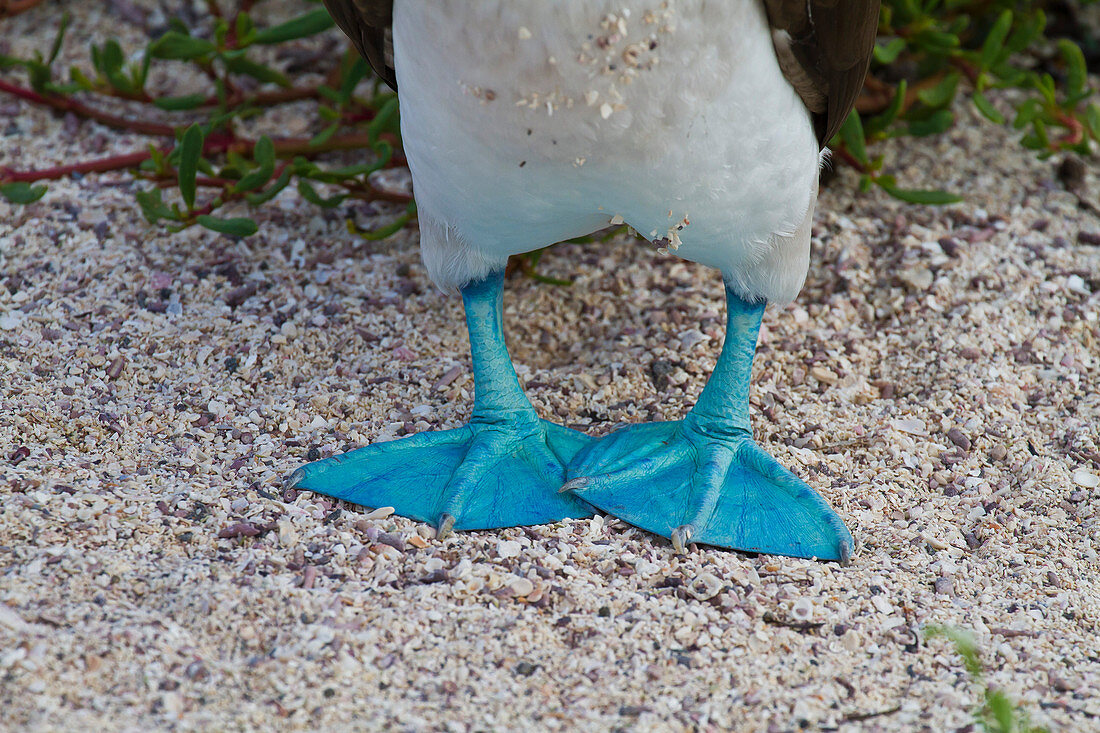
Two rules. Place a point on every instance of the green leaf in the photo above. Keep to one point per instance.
(1037, 140)
(141, 71)
(261, 197)
(310, 194)
(242, 65)
(1026, 33)
(21, 192)
(880, 122)
(244, 28)
(63, 26)
(385, 155)
(351, 79)
(264, 153)
(386, 120)
(1048, 88)
(965, 645)
(394, 227)
(80, 79)
(156, 157)
(221, 32)
(939, 121)
(941, 94)
(1027, 111)
(112, 57)
(987, 109)
(240, 226)
(309, 24)
(323, 136)
(851, 133)
(40, 74)
(937, 42)
(62, 89)
(1002, 710)
(180, 47)
(888, 54)
(345, 171)
(174, 104)
(1092, 121)
(1077, 75)
(237, 163)
(190, 148)
(152, 206)
(995, 41)
(918, 196)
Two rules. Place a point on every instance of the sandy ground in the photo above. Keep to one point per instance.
(936, 381)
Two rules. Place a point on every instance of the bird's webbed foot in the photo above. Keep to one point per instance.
(480, 476)
(694, 481)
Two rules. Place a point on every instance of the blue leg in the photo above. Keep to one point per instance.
(703, 478)
(502, 469)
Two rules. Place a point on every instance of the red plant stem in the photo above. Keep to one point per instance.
(259, 99)
(1076, 130)
(9, 8)
(65, 104)
(285, 147)
(115, 162)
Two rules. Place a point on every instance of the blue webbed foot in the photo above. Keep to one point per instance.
(691, 484)
(502, 469)
(479, 476)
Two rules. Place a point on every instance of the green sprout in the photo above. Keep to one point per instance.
(997, 713)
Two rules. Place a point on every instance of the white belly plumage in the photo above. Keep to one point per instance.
(527, 122)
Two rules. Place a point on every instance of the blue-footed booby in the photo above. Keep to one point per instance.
(699, 123)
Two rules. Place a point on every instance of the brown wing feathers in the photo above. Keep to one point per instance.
(824, 48)
(367, 23)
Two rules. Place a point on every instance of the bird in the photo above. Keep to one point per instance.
(701, 124)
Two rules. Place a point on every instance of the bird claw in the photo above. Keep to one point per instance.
(577, 484)
(294, 478)
(845, 553)
(445, 526)
(681, 536)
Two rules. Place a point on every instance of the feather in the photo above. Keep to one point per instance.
(824, 49)
(368, 23)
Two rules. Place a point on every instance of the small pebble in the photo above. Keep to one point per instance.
(1086, 478)
(395, 541)
(959, 438)
(508, 548)
(521, 586)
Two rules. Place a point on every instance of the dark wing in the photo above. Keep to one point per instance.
(368, 23)
(824, 48)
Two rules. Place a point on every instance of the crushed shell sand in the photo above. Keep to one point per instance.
(937, 381)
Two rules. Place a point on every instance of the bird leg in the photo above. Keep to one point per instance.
(703, 479)
(501, 469)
